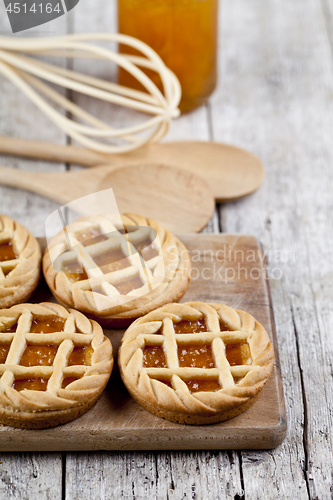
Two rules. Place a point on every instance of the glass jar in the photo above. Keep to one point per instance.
(184, 34)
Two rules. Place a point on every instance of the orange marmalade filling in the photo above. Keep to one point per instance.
(7, 252)
(202, 385)
(196, 356)
(90, 236)
(81, 356)
(146, 249)
(153, 357)
(124, 287)
(47, 325)
(30, 384)
(74, 271)
(111, 261)
(4, 350)
(39, 355)
(67, 381)
(238, 354)
(188, 326)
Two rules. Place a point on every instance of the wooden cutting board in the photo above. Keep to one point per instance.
(228, 269)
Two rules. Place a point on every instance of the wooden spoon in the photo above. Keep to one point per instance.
(230, 172)
(178, 199)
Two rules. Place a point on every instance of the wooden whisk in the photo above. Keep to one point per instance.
(26, 72)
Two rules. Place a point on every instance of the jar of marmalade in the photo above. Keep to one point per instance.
(184, 34)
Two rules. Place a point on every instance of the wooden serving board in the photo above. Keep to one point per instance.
(228, 269)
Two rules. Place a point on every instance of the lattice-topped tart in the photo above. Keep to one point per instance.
(116, 269)
(54, 365)
(196, 363)
(20, 262)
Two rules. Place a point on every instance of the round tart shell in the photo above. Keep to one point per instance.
(46, 419)
(180, 405)
(21, 282)
(66, 403)
(121, 316)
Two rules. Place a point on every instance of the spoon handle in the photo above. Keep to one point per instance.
(16, 178)
(43, 183)
(53, 152)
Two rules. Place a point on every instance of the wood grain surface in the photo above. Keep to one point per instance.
(226, 269)
(274, 97)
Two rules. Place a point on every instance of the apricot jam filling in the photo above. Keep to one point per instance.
(187, 326)
(47, 325)
(9, 329)
(74, 271)
(196, 356)
(81, 356)
(146, 249)
(7, 252)
(7, 270)
(164, 381)
(237, 379)
(111, 261)
(30, 384)
(224, 327)
(4, 350)
(153, 357)
(127, 286)
(196, 385)
(67, 381)
(38, 355)
(202, 385)
(90, 236)
(238, 354)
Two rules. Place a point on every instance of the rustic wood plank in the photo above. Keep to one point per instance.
(209, 474)
(34, 476)
(28, 475)
(275, 100)
(154, 475)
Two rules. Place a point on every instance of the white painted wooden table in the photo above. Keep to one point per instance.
(275, 97)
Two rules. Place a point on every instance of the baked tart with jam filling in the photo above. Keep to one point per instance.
(116, 268)
(20, 262)
(54, 365)
(196, 363)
